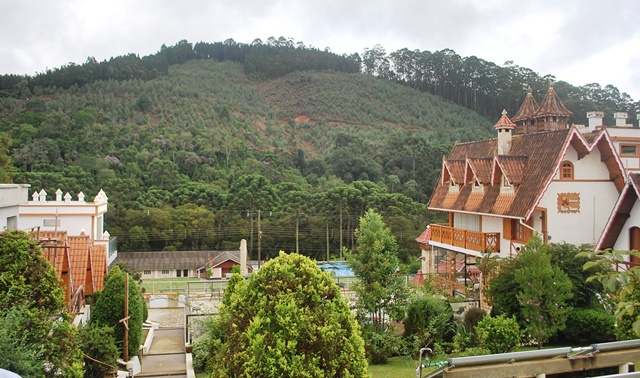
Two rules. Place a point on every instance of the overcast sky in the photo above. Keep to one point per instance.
(578, 41)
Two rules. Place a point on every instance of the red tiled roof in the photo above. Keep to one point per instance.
(482, 168)
(538, 157)
(513, 167)
(527, 109)
(98, 266)
(504, 122)
(551, 105)
(425, 236)
(54, 249)
(456, 170)
(79, 259)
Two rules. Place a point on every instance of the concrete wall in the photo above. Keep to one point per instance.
(11, 195)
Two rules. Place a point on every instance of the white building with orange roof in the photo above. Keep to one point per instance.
(539, 175)
(71, 233)
(75, 216)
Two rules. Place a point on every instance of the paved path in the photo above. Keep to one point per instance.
(166, 355)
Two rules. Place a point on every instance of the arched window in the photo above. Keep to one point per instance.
(566, 171)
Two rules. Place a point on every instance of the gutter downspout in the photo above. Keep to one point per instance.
(527, 226)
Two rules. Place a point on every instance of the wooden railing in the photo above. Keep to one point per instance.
(473, 240)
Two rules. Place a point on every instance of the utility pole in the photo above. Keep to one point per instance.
(327, 239)
(341, 232)
(297, 228)
(259, 237)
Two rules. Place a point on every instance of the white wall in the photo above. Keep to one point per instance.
(73, 224)
(11, 195)
(597, 194)
(585, 227)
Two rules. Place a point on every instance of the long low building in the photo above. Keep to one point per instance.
(174, 264)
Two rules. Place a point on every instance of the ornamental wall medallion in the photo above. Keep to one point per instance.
(568, 202)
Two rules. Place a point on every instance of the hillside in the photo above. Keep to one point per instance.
(180, 145)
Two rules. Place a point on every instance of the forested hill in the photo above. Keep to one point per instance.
(191, 143)
(472, 82)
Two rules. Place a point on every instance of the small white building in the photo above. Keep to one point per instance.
(11, 196)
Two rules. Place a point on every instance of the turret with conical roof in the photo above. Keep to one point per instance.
(551, 114)
(524, 116)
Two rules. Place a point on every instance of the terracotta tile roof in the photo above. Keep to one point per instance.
(527, 109)
(533, 166)
(79, 259)
(98, 267)
(551, 105)
(425, 236)
(162, 260)
(456, 170)
(226, 256)
(513, 167)
(54, 249)
(504, 122)
(474, 201)
(482, 168)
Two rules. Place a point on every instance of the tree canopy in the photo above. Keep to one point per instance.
(288, 320)
(34, 327)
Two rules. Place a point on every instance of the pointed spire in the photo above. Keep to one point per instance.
(528, 108)
(551, 105)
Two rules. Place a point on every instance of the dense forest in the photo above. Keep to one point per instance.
(282, 144)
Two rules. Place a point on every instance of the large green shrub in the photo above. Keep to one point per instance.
(429, 321)
(585, 326)
(498, 334)
(289, 320)
(466, 337)
(99, 344)
(109, 309)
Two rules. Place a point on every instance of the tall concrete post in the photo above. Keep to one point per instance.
(243, 258)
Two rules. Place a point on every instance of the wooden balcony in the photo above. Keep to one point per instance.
(473, 240)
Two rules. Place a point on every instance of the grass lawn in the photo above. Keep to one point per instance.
(178, 285)
(400, 366)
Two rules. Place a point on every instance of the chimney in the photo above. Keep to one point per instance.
(243, 258)
(621, 119)
(638, 118)
(505, 128)
(595, 119)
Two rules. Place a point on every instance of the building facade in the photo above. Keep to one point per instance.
(539, 175)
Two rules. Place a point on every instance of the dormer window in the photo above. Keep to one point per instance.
(566, 171)
(453, 188)
(505, 186)
(505, 183)
(477, 187)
